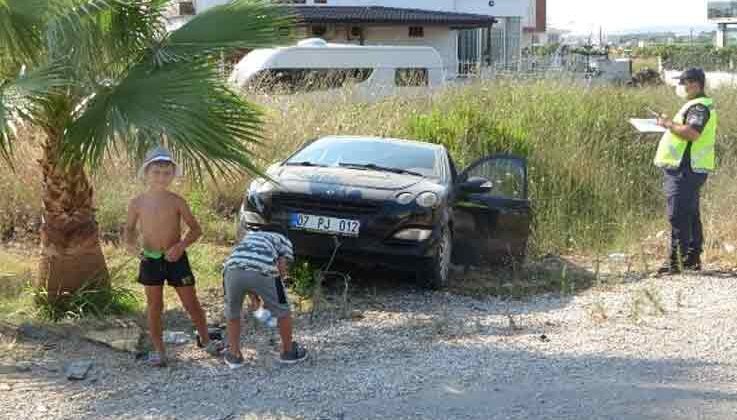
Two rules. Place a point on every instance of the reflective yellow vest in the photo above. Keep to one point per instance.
(672, 147)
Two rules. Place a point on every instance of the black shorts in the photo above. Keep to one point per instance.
(154, 272)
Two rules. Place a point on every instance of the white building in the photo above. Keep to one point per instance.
(468, 34)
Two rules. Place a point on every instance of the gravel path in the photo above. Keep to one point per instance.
(650, 349)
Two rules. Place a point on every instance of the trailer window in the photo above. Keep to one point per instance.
(411, 77)
(286, 81)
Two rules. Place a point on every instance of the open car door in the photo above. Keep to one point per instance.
(491, 212)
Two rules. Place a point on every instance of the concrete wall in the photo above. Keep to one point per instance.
(714, 80)
(441, 38)
(201, 5)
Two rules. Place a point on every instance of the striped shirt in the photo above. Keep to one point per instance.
(259, 251)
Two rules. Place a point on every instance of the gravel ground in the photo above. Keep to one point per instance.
(647, 349)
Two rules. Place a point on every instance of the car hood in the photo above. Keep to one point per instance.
(311, 180)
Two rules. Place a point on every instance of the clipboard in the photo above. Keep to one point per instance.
(647, 125)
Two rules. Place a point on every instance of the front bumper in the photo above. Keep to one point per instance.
(375, 246)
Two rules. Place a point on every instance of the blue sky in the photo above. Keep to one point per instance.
(584, 16)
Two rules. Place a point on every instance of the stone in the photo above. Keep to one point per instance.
(125, 338)
(23, 366)
(33, 332)
(176, 337)
(5, 387)
(77, 370)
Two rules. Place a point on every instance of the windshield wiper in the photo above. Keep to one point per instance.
(375, 167)
(306, 163)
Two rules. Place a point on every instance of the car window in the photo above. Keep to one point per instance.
(411, 77)
(286, 81)
(507, 175)
(334, 152)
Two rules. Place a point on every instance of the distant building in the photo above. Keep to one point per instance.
(536, 23)
(468, 34)
(724, 14)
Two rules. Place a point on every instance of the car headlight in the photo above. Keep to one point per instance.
(413, 234)
(259, 189)
(404, 198)
(252, 218)
(428, 199)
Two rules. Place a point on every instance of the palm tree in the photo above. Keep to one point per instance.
(103, 77)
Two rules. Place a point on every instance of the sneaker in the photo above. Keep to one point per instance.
(296, 355)
(668, 269)
(156, 359)
(233, 361)
(215, 348)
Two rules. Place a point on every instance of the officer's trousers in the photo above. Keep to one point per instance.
(683, 191)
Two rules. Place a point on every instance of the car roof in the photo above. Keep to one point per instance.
(432, 146)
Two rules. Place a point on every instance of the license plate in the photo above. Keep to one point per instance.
(324, 224)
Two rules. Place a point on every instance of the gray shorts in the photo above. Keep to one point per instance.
(237, 282)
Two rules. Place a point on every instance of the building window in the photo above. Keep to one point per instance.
(469, 51)
(411, 77)
(186, 8)
(416, 32)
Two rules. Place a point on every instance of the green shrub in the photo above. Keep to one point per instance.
(591, 175)
(87, 302)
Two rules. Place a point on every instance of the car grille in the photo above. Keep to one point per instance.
(310, 203)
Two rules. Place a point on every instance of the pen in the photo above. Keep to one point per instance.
(653, 113)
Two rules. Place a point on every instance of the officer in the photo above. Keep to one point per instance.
(686, 154)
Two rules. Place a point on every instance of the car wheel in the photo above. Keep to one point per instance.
(437, 276)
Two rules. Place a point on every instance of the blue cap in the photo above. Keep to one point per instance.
(694, 74)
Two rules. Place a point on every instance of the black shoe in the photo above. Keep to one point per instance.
(692, 263)
(668, 269)
(296, 355)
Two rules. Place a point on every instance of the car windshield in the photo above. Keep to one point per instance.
(369, 154)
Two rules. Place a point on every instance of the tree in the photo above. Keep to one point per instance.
(103, 77)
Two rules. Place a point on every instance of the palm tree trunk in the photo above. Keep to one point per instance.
(71, 254)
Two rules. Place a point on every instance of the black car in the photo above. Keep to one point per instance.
(394, 203)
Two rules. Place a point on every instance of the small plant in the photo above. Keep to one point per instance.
(303, 278)
(565, 285)
(87, 302)
(636, 309)
(653, 297)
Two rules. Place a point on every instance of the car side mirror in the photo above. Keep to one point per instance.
(475, 185)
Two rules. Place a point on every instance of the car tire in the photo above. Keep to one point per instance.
(437, 275)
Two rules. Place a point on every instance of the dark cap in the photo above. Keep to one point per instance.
(693, 74)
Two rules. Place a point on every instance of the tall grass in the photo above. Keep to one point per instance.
(592, 181)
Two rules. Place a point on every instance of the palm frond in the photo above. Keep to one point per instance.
(186, 103)
(239, 24)
(20, 32)
(101, 38)
(24, 98)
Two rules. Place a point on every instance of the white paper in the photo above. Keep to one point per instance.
(647, 125)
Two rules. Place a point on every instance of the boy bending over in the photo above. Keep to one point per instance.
(257, 266)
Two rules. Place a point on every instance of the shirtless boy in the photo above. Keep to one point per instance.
(158, 213)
